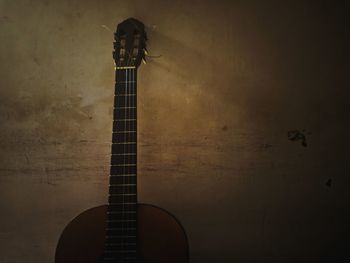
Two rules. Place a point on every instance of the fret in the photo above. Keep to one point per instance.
(117, 199)
(122, 207)
(126, 137)
(121, 194)
(122, 132)
(121, 212)
(119, 148)
(122, 154)
(124, 101)
(128, 181)
(124, 113)
(121, 216)
(125, 203)
(123, 108)
(124, 223)
(133, 251)
(124, 143)
(125, 220)
(118, 245)
(127, 133)
(112, 259)
(130, 81)
(125, 259)
(130, 234)
(124, 164)
(121, 231)
(122, 184)
(121, 159)
(119, 180)
(121, 251)
(122, 189)
(129, 251)
(121, 239)
(124, 125)
(125, 94)
(117, 256)
(112, 199)
(121, 228)
(117, 226)
(127, 119)
(126, 230)
(131, 207)
(121, 246)
(121, 175)
(118, 170)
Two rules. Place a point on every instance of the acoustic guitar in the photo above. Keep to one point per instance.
(124, 230)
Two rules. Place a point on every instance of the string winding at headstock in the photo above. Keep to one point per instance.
(130, 43)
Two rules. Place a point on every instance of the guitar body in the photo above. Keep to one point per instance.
(161, 238)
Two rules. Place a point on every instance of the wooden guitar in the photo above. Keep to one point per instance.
(124, 230)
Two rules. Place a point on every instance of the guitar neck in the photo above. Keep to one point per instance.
(123, 173)
(122, 202)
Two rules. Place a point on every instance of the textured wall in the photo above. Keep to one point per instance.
(214, 112)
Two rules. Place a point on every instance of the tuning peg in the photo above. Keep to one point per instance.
(144, 61)
(145, 51)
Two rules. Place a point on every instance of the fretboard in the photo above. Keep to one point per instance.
(122, 205)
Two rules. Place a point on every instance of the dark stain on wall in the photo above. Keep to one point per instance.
(296, 135)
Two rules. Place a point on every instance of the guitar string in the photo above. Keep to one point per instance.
(127, 127)
(135, 140)
(124, 158)
(129, 146)
(132, 127)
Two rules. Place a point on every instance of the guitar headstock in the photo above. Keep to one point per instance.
(130, 43)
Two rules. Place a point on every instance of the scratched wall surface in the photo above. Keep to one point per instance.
(234, 77)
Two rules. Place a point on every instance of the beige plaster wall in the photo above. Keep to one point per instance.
(214, 112)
